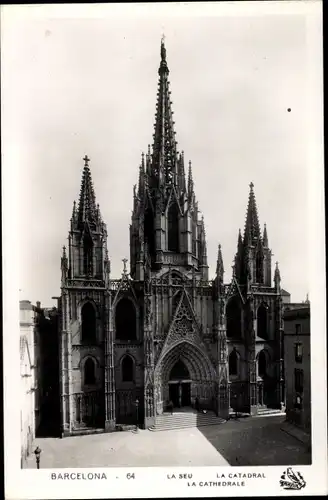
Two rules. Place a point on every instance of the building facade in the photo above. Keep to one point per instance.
(165, 331)
(298, 365)
(29, 368)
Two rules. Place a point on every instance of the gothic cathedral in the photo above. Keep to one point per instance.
(164, 331)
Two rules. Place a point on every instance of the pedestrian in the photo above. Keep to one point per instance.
(197, 403)
(171, 407)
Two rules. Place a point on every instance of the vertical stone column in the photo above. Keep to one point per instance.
(110, 416)
(149, 394)
(64, 357)
(223, 402)
(253, 396)
(69, 365)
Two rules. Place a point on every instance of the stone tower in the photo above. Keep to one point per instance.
(183, 331)
(254, 321)
(87, 374)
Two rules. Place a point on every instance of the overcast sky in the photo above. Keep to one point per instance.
(88, 86)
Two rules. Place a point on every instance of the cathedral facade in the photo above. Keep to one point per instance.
(164, 331)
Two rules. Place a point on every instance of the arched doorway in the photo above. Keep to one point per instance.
(184, 363)
(180, 385)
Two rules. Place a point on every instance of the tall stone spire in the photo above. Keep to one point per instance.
(87, 210)
(164, 158)
(252, 227)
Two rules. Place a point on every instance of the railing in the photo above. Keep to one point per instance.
(88, 408)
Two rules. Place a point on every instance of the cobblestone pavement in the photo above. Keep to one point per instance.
(252, 441)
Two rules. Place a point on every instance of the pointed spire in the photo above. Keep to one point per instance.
(252, 226)
(164, 159)
(74, 212)
(87, 201)
(181, 173)
(64, 264)
(219, 265)
(190, 185)
(265, 237)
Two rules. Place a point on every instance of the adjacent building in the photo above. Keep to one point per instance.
(164, 330)
(29, 366)
(298, 365)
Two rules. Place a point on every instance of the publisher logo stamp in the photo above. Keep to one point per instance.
(291, 480)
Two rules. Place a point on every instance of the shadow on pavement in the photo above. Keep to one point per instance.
(256, 441)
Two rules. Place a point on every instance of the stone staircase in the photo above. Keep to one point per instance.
(266, 412)
(184, 420)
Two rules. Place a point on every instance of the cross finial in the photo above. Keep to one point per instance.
(124, 265)
(163, 38)
(86, 160)
(251, 185)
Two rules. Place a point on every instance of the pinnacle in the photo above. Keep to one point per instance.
(87, 201)
(252, 226)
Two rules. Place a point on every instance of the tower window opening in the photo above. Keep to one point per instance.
(125, 320)
(233, 363)
(262, 364)
(262, 322)
(88, 314)
(87, 256)
(173, 228)
(233, 313)
(127, 369)
(89, 372)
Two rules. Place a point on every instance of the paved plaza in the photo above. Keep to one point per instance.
(252, 441)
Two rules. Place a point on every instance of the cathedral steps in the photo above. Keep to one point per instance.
(266, 412)
(183, 420)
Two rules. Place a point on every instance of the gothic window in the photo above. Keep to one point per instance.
(262, 364)
(88, 314)
(87, 255)
(89, 372)
(127, 369)
(195, 242)
(179, 371)
(262, 322)
(233, 363)
(173, 228)
(233, 313)
(125, 320)
(150, 232)
(259, 268)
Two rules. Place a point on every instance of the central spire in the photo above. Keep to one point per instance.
(252, 226)
(164, 159)
(87, 210)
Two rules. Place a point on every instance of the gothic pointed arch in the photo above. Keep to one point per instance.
(262, 321)
(233, 315)
(179, 371)
(88, 319)
(89, 371)
(127, 369)
(125, 320)
(233, 363)
(262, 363)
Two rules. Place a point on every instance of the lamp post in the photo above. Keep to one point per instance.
(137, 410)
(37, 453)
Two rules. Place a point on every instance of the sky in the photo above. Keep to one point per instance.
(77, 85)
